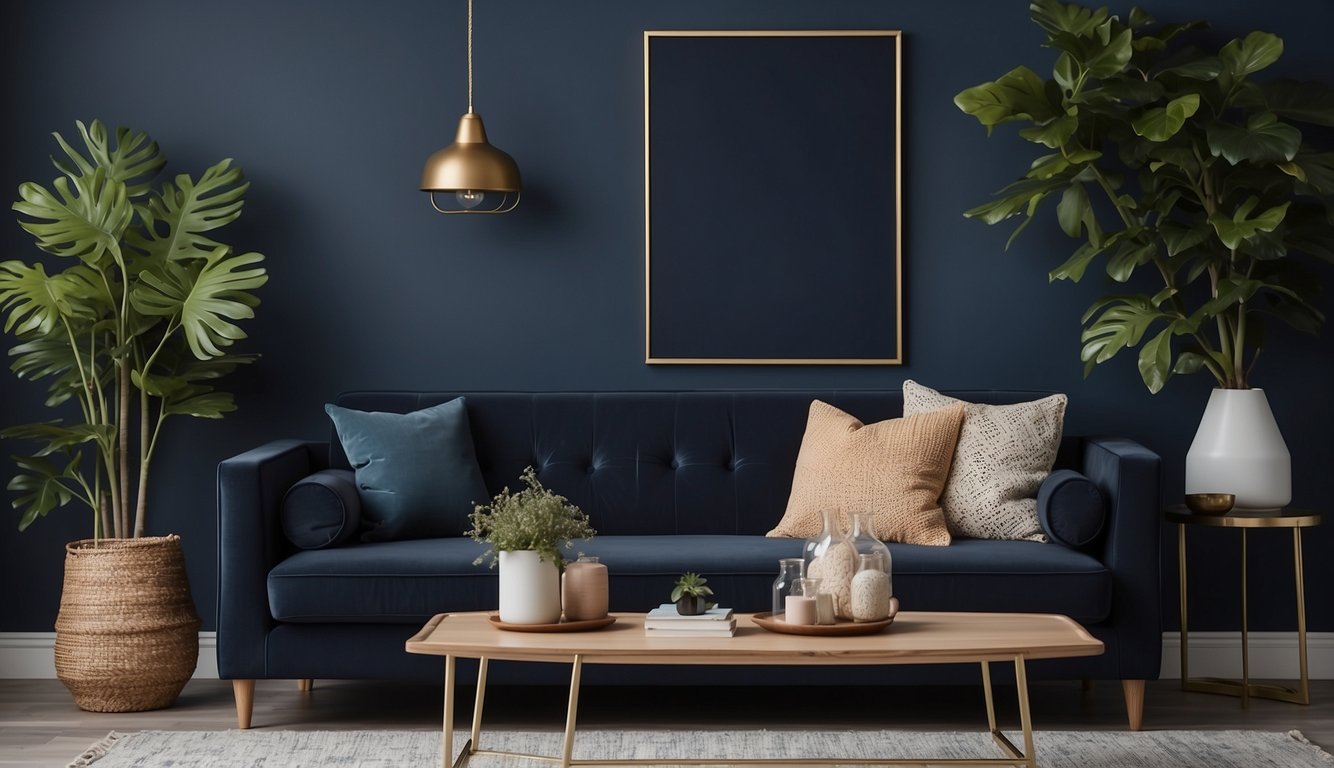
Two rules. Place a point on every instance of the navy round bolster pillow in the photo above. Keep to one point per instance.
(1071, 508)
(322, 510)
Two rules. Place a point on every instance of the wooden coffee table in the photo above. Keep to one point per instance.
(914, 638)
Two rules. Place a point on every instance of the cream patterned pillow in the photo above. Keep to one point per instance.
(894, 469)
(1003, 455)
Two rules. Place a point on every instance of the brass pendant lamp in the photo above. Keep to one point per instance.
(478, 177)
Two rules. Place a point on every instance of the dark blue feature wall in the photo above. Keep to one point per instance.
(332, 107)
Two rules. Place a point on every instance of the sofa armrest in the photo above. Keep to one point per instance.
(250, 543)
(1127, 473)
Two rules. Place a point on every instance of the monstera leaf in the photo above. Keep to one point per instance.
(203, 299)
(177, 216)
(87, 222)
(36, 301)
(133, 161)
(42, 486)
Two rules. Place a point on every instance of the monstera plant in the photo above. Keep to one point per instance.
(134, 328)
(1176, 161)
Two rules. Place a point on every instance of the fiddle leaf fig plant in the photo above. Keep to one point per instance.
(137, 329)
(1173, 160)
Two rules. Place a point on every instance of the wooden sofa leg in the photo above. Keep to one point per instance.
(1134, 691)
(244, 690)
(305, 684)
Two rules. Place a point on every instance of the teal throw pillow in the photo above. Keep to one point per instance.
(416, 472)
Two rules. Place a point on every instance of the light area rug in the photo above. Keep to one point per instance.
(397, 749)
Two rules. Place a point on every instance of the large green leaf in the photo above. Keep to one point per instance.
(1252, 54)
(178, 215)
(1315, 169)
(1203, 68)
(1241, 225)
(1018, 95)
(1162, 123)
(55, 436)
(36, 301)
(1115, 323)
(1128, 256)
(1073, 269)
(1054, 134)
(1263, 140)
(1070, 18)
(1155, 359)
(1111, 59)
(134, 159)
(42, 486)
(204, 298)
(87, 222)
(1014, 198)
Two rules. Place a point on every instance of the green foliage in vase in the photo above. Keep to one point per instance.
(533, 518)
(691, 584)
(137, 329)
(1170, 159)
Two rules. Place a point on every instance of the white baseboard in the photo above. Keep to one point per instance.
(1273, 655)
(29, 655)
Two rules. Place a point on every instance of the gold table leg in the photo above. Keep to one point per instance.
(1244, 688)
(1014, 757)
(1185, 633)
(447, 736)
(475, 741)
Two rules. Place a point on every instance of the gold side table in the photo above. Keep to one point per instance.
(1245, 520)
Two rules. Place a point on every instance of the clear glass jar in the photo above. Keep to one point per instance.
(831, 558)
(870, 590)
(866, 542)
(790, 570)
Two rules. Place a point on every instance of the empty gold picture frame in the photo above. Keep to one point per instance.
(773, 197)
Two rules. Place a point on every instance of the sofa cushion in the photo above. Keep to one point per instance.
(407, 582)
(893, 469)
(1004, 452)
(322, 510)
(1070, 508)
(417, 472)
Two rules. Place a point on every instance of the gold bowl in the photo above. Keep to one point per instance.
(1210, 503)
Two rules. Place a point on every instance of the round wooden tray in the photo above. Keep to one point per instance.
(588, 625)
(843, 628)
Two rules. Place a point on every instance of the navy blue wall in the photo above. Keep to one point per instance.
(332, 106)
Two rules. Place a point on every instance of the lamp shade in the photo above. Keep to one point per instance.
(470, 163)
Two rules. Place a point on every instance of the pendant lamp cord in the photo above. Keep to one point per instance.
(470, 55)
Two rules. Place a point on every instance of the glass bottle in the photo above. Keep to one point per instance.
(831, 558)
(866, 542)
(790, 569)
(870, 590)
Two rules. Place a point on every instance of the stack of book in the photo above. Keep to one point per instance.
(664, 621)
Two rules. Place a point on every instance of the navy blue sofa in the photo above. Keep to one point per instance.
(672, 481)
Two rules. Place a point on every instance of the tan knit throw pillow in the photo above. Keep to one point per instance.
(894, 469)
(1003, 455)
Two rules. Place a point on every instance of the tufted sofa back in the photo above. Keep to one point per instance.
(708, 462)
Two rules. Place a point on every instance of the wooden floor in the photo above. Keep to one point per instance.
(40, 726)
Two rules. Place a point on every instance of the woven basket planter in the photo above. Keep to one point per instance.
(127, 636)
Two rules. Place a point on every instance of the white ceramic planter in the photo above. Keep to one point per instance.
(529, 589)
(1238, 449)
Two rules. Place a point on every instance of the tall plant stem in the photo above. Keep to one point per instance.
(123, 433)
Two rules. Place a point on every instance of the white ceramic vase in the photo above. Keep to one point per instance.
(529, 589)
(1238, 449)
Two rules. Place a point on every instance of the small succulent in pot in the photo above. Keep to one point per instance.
(691, 594)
